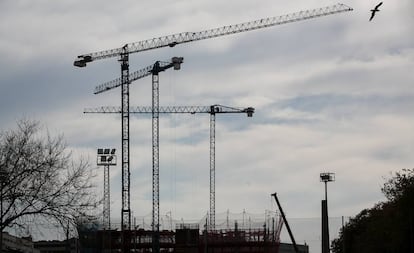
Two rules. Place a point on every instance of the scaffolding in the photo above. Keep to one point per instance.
(182, 240)
(241, 236)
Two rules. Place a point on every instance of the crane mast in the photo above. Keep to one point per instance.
(157, 68)
(155, 162)
(212, 225)
(125, 211)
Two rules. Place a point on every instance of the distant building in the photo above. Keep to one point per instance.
(54, 246)
(13, 244)
(288, 248)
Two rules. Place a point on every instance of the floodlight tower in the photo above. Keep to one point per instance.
(325, 177)
(106, 157)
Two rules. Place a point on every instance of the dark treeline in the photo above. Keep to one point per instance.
(388, 226)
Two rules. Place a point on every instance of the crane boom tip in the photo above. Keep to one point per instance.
(349, 8)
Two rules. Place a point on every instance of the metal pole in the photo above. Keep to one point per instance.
(107, 200)
(286, 223)
(343, 235)
(1, 213)
(325, 177)
(327, 218)
(325, 232)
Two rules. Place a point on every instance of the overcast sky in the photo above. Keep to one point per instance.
(332, 94)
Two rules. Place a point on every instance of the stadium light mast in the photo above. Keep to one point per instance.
(325, 177)
(106, 157)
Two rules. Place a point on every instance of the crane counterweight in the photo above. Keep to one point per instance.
(249, 111)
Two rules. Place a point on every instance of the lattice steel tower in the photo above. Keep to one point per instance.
(106, 158)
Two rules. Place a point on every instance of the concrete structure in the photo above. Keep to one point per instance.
(16, 244)
(288, 248)
(66, 246)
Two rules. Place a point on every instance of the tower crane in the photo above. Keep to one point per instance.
(154, 69)
(171, 41)
(212, 110)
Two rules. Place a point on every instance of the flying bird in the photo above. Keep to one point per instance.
(373, 11)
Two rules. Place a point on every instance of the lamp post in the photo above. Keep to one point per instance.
(325, 177)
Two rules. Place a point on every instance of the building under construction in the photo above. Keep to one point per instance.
(247, 237)
(187, 239)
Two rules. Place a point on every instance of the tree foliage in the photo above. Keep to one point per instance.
(39, 180)
(386, 227)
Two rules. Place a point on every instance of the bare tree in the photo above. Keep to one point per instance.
(39, 179)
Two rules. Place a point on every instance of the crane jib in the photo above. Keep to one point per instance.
(175, 61)
(213, 109)
(175, 39)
